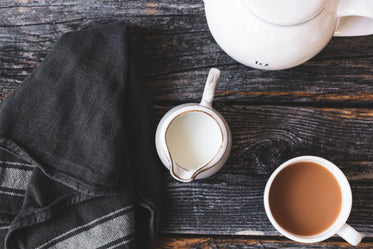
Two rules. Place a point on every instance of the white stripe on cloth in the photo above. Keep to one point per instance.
(14, 178)
(98, 235)
(125, 242)
(9, 192)
(16, 163)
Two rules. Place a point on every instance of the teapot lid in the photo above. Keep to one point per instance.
(285, 12)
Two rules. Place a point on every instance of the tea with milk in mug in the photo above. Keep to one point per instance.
(305, 198)
(193, 139)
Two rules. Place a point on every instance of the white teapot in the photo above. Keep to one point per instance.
(280, 34)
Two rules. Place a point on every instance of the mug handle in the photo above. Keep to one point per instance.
(356, 18)
(209, 91)
(350, 235)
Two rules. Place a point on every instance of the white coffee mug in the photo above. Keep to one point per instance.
(339, 226)
(193, 140)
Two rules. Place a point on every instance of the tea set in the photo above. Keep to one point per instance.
(193, 140)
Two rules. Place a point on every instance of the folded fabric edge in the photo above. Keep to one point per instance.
(154, 216)
(59, 176)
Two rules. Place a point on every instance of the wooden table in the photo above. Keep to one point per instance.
(323, 107)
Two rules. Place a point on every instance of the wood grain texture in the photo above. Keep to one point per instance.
(231, 202)
(192, 242)
(174, 43)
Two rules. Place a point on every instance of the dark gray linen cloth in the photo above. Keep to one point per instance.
(78, 167)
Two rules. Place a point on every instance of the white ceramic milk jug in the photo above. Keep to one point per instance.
(193, 140)
(280, 34)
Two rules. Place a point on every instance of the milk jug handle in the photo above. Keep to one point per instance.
(209, 92)
(356, 18)
(350, 235)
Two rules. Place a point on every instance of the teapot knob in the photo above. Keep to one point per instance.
(284, 12)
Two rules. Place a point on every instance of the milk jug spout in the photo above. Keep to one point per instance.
(181, 174)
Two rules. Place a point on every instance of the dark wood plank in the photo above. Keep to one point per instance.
(231, 202)
(336, 85)
(173, 40)
(28, 29)
(195, 242)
